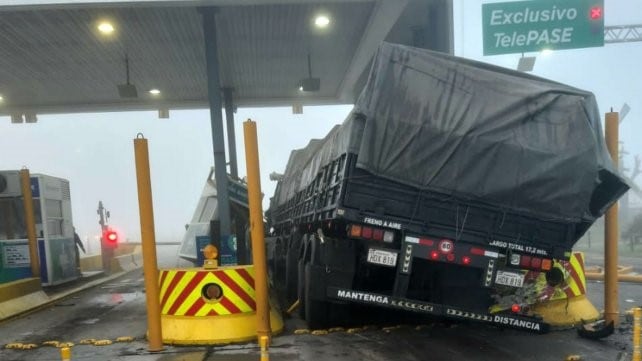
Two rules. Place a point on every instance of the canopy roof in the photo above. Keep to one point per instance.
(54, 60)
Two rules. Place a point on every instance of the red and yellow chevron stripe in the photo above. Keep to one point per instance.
(574, 281)
(181, 291)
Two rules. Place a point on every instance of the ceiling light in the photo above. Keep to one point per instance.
(105, 27)
(546, 52)
(154, 91)
(1, 98)
(322, 21)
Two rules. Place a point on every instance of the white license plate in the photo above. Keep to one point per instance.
(384, 258)
(509, 279)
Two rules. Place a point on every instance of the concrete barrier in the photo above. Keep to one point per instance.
(20, 296)
(91, 263)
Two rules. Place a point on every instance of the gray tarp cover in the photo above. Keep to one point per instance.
(475, 131)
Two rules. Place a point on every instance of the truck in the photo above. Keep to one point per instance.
(448, 183)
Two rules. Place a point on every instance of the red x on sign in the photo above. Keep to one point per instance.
(596, 13)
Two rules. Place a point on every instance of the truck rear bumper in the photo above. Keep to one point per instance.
(503, 320)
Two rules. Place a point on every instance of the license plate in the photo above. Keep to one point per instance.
(509, 279)
(383, 258)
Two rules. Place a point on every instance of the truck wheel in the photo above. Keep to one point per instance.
(316, 312)
(304, 258)
(292, 266)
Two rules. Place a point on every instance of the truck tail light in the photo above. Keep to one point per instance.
(526, 261)
(388, 236)
(536, 262)
(547, 264)
(355, 231)
(466, 260)
(515, 259)
(366, 232)
(377, 234)
(434, 254)
(516, 308)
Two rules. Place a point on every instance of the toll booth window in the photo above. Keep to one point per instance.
(54, 217)
(12, 218)
(208, 210)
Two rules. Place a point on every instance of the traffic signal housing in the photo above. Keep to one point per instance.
(111, 238)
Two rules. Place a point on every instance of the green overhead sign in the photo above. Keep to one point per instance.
(524, 26)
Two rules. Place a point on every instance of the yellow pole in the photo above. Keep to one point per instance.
(148, 238)
(637, 314)
(65, 354)
(611, 311)
(30, 222)
(256, 228)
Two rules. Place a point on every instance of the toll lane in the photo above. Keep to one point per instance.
(117, 308)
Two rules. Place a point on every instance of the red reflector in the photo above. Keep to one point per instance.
(516, 308)
(526, 261)
(355, 231)
(477, 251)
(536, 262)
(450, 257)
(434, 254)
(366, 232)
(547, 264)
(426, 242)
(466, 260)
(377, 234)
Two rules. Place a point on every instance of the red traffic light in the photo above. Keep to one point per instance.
(596, 13)
(111, 237)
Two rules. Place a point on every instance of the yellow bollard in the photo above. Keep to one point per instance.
(265, 354)
(65, 354)
(256, 227)
(611, 311)
(30, 222)
(637, 314)
(148, 239)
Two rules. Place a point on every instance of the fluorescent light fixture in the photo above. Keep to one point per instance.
(546, 52)
(322, 21)
(1, 98)
(154, 91)
(105, 27)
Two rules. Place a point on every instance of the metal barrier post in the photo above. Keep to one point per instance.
(148, 239)
(256, 228)
(637, 314)
(611, 311)
(30, 222)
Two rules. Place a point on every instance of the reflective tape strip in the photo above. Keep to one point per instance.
(181, 292)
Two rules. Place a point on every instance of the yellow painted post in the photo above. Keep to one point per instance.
(148, 239)
(265, 353)
(65, 354)
(637, 314)
(256, 229)
(30, 222)
(611, 311)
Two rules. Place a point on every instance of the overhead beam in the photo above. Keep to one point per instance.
(383, 18)
(622, 33)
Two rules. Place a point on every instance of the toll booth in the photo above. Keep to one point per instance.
(203, 229)
(54, 229)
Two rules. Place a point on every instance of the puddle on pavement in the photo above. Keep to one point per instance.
(114, 298)
(90, 321)
(250, 357)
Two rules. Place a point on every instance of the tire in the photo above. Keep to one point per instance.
(292, 267)
(304, 259)
(316, 312)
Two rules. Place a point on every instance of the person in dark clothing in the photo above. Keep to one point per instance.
(79, 244)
